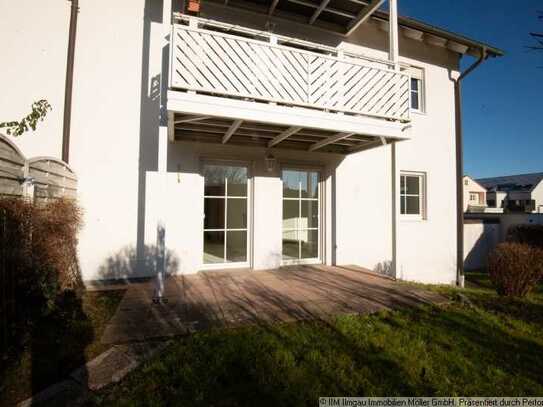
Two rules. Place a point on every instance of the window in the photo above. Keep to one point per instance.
(473, 197)
(416, 85)
(417, 88)
(225, 214)
(301, 210)
(412, 191)
(491, 203)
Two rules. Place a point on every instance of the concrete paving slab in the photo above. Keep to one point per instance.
(109, 367)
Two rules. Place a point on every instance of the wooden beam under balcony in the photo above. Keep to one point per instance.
(231, 130)
(330, 140)
(365, 146)
(191, 119)
(363, 15)
(283, 136)
(318, 11)
(272, 7)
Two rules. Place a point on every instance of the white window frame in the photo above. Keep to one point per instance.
(249, 229)
(320, 229)
(422, 195)
(472, 195)
(418, 74)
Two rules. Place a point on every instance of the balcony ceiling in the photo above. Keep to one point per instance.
(338, 15)
(217, 130)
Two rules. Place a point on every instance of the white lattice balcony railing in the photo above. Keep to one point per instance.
(230, 65)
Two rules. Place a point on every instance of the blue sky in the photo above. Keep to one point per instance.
(503, 98)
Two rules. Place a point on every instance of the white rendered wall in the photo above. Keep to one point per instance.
(479, 240)
(114, 148)
(34, 67)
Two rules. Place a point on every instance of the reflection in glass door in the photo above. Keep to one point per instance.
(225, 214)
(301, 216)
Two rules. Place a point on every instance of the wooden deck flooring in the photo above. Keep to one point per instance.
(236, 297)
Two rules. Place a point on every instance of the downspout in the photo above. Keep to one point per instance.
(69, 82)
(460, 169)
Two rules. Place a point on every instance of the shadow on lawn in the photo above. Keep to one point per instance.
(58, 342)
(50, 344)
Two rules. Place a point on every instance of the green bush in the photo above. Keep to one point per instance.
(531, 235)
(515, 268)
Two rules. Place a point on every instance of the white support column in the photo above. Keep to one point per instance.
(393, 48)
(163, 133)
(395, 212)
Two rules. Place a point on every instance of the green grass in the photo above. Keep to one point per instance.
(57, 344)
(483, 346)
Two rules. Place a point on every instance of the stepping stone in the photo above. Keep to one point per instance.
(110, 367)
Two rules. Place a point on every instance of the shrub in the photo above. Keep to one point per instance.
(40, 242)
(515, 268)
(531, 235)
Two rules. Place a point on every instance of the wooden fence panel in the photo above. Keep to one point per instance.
(52, 178)
(12, 164)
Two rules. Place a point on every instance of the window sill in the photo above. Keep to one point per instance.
(419, 112)
(408, 218)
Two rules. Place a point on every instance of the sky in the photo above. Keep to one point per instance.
(502, 98)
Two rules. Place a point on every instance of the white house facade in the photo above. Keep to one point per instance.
(515, 193)
(249, 136)
(474, 195)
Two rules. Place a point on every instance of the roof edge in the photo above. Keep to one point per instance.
(475, 181)
(430, 29)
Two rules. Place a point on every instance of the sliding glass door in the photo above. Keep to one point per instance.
(301, 216)
(226, 204)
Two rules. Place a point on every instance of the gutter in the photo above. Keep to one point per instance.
(460, 168)
(69, 82)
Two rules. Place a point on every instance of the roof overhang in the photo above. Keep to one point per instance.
(205, 118)
(345, 16)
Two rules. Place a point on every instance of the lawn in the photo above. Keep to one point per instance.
(479, 344)
(57, 344)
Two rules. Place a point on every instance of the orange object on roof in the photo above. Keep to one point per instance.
(194, 6)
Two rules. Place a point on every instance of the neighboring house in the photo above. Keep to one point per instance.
(266, 134)
(474, 195)
(515, 193)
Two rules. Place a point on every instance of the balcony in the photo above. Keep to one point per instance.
(220, 71)
(223, 64)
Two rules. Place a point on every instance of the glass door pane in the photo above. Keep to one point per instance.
(301, 215)
(225, 214)
(291, 249)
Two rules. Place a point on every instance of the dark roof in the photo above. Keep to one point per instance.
(522, 182)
